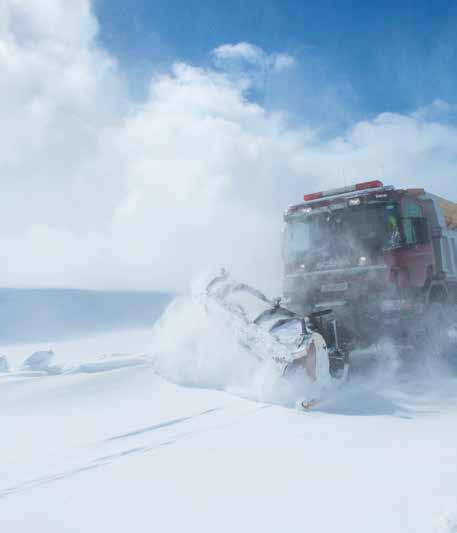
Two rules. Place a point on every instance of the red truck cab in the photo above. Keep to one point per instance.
(370, 251)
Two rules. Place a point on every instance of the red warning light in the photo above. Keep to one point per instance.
(313, 196)
(375, 184)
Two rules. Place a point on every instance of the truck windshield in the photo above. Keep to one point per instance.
(343, 236)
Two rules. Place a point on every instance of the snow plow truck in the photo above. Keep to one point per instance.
(361, 263)
(383, 259)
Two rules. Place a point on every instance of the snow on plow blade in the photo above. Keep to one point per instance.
(303, 346)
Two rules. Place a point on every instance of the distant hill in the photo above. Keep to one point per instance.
(52, 314)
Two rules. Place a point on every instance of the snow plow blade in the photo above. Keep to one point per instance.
(303, 345)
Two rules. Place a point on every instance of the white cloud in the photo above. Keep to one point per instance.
(99, 192)
(251, 54)
(245, 51)
(282, 62)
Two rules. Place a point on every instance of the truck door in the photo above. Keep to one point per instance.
(417, 256)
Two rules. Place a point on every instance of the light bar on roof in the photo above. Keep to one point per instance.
(374, 184)
(313, 196)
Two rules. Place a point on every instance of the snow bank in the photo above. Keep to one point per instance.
(4, 366)
(112, 362)
(42, 362)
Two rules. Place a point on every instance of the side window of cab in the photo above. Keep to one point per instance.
(415, 226)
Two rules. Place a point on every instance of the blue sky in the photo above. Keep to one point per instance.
(364, 57)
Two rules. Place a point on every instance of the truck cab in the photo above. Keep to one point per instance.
(370, 252)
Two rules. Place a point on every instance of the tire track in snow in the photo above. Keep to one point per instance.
(106, 460)
(166, 424)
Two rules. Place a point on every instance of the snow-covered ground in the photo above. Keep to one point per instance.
(108, 446)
